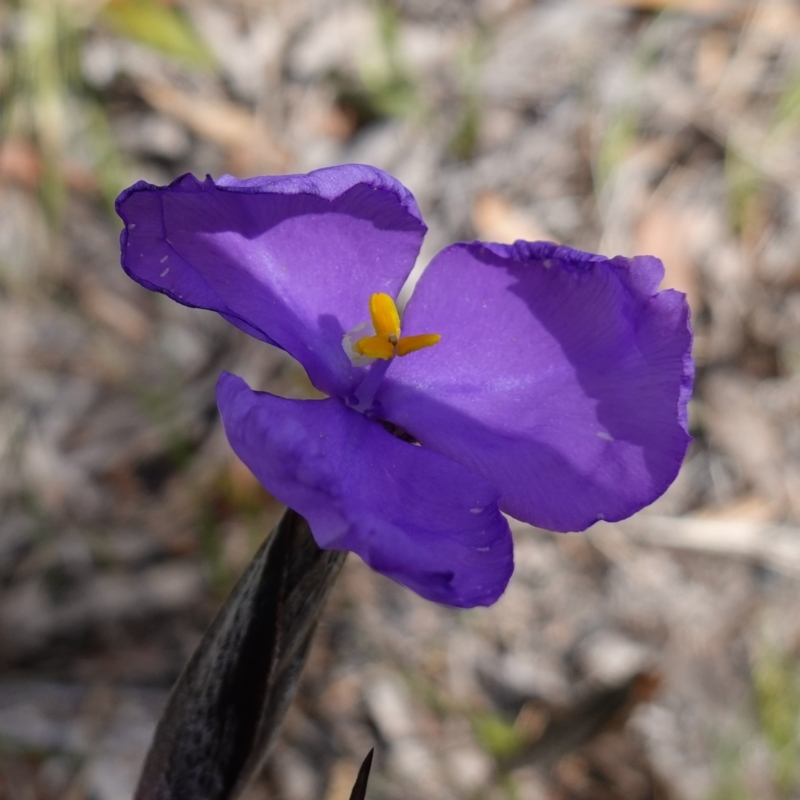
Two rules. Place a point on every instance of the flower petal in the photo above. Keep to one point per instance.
(410, 513)
(291, 260)
(561, 377)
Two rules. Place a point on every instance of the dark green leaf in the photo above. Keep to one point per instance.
(230, 699)
(360, 787)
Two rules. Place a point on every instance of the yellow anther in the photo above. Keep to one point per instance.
(374, 347)
(386, 342)
(385, 318)
(410, 344)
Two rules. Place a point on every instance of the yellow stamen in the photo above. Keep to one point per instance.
(374, 347)
(385, 318)
(410, 344)
(386, 342)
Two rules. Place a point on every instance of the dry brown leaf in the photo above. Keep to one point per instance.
(20, 163)
(748, 508)
(496, 220)
(779, 20)
(713, 55)
(341, 781)
(249, 145)
(116, 313)
(663, 232)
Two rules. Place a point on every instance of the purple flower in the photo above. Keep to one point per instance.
(539, 381)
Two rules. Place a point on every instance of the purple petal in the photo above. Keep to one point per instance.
(291, 260)
(410, 513)
(561, 377)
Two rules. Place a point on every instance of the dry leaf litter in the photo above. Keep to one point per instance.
(655, 658)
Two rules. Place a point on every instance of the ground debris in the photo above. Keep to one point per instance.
(626, 664)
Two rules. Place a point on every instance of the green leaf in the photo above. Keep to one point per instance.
(159, 25)
(498, 737)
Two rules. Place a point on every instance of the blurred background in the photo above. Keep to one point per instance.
(656, 658)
